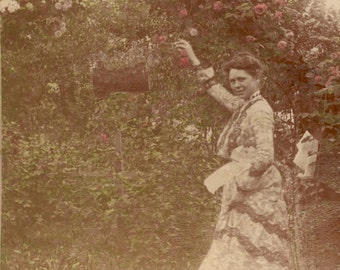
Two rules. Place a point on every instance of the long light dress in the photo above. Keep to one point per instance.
(251, 231)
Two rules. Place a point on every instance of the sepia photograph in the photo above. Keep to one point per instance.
(170, 134)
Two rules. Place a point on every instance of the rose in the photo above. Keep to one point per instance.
(58, 6)
(317, 79)
(183, 13)
(159, 39)
(280, 2)
(330, 81)
(103, 137)
(305, 15)
(9, 5)
(193, 32)
(278, 15)
(309, 75)
(334, 55)
(260, 8)
(58, 34)
(250, 38)
(334, 71)
(329, 18)
(282, 44)
(218, 6)
(162, 39)
(315, 51)
(184, 61)
(289, 34)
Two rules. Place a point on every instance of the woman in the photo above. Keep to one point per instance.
(251, 231)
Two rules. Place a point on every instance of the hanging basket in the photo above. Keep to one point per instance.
(131, 79)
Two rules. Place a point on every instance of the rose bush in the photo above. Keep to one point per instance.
(47, 87)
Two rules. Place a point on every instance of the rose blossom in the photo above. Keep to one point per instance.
(289, 34)
(218, 5)
(162, 39)
(329, 18)
(330, 81)
(183, 12)
(282, 44)
(193, 32)
(334, 71)
(315, 51)
(278, 15)
(310, 75)
(317, 79)
(184, 62)
(103, 137)
(334, 55)
(260, 8)
(9, 5)
(58, 6)
(250, 38)
(58, 34)
(305, 16)
(280, 2)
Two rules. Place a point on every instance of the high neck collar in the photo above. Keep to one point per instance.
(254, 95)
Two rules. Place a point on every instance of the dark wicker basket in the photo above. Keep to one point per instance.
(132, 79)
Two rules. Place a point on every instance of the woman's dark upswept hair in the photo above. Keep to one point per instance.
(244, 61)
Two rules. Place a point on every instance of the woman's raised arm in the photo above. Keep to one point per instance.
(206, 77)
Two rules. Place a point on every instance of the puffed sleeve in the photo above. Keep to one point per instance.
(262, 125)
(217, 91)
(221, 95)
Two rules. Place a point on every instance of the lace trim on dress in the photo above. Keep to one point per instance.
(274, 257)
(232, 138)
(256, 218)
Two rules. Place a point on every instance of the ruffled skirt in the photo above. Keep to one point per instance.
(251, 231)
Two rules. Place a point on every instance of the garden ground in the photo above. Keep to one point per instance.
(71, 243)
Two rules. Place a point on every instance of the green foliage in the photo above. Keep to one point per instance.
(60, 141)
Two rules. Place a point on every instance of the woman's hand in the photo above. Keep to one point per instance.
(185, 45)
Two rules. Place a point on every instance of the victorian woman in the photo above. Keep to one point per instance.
(251, 231)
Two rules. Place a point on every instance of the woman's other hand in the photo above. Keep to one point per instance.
(185, 45)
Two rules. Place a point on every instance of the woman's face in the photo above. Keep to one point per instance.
(242, 83)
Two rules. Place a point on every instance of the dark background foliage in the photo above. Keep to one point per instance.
(146, 204)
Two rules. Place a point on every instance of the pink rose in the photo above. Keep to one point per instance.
(334, 55)
(250, 38)
(159, 39)
(184, 62)
(330, 81)
(278, 15)
(162, 39)
(218, 5)
(329, 18)
(280, 2)
(317, 79)
(289, 34)
(260, 8)
(282, 44)
(306, 16)
(334, 71)
(103, 137)
(193, 32)
(183, 13)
